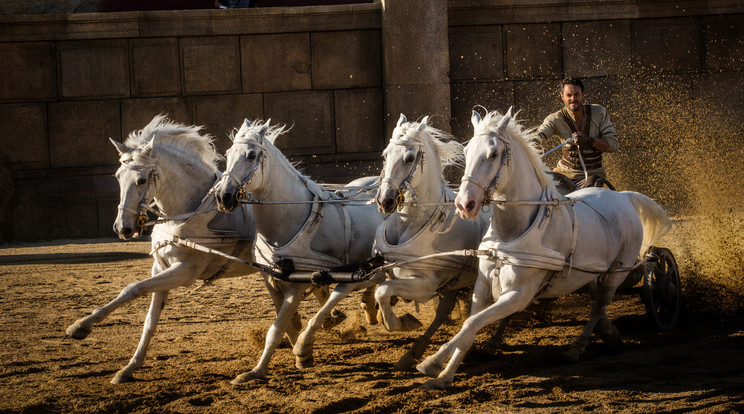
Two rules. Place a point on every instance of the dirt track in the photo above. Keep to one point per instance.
(209, 336)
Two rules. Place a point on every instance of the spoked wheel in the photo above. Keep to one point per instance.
(662, 291)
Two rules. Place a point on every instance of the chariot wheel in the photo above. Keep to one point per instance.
(662, 291)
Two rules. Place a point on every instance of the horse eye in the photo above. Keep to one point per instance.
(491, 154)
(252, 155)
(141, 181)
(408, 158)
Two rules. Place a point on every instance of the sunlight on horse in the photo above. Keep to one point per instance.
(540, 244)
(314, 234)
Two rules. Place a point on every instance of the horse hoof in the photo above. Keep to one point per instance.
(406, 362)
(334, 320)
(409, 322)
(76, 331)
(429, 369)
(304, 362)
(435, 384)
(122, 377)
(245, 377)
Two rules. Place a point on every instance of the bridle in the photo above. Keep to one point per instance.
(242, 195)
(144, 205)
(505, 162)
(406, 183)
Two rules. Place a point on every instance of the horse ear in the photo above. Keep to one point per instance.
(121, 148)
(402, 120)
(247, 123)
(504, 122)
(147, 149)
(475, 119)
(422, 124)
(262, 133)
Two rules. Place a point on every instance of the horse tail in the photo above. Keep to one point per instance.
(654, 219)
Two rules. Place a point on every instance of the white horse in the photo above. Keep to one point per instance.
(175, 166)
(305, 225)
(426, 224)
(544, 244)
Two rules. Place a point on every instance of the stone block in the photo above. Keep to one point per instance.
(466, 97)
(276, 62)
(210, 64)
(666, 45)
(417, 101)
(156, 69)
(220, 115)
(23, 136)
(310, 114)
(350, 59)
(476, 53)
(342, 172)
(79, 133)
(107, 198)
(137, 113)
(724, 42)
(597, 48)
(93, 69)
(28, 72)
(359, 126)
(533, 50)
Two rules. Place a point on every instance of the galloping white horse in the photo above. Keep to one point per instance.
(314, 234)
(545, 245)
(175, 166)
(426, 224)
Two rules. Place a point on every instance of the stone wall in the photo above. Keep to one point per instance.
(339, 74)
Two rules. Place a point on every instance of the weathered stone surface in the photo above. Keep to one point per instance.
(80, 144)
(348, 59)
(476, 53)
(417, 101)
(23, 136)
(533, 50)
(93, 69)
(358, 114)
(211, 64)
(220, 115)
(481, 96)
(276, 62)
(719, 98)
(137, 113)
(47, 6)
(597, 48)
(156, 69)
(28, 72)
(535, 100)
(724, 42)
(311, 116)
(656, 44)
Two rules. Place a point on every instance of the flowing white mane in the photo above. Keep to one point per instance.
(249, 131)
(447, 149)
(517, 134)
(181, 141)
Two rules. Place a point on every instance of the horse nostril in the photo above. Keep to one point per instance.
(126, 231)
(470, 205)
(388, 204)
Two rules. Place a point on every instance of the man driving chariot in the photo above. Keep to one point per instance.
(593, 134)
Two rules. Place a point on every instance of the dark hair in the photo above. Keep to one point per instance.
(568, 80)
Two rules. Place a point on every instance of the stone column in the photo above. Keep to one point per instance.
(415, 62)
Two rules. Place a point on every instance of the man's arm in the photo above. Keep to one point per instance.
(607, 140)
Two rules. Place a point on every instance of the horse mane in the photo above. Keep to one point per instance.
(185, 142)
(448, 150)
(521, 136)
(272, 133)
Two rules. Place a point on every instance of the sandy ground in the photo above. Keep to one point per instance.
(209, 336)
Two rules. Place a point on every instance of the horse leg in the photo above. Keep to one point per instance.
(178, 274)
(151, 322)
(482, 297)
(497, 339)
(605, 290)
(303, 349)
(277, 297)
(405, 288)
(367, 305)
(293, 296)
(336, 316)
(446, 304)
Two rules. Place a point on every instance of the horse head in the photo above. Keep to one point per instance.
(137, 178)
(486, 155)
(403, 155)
